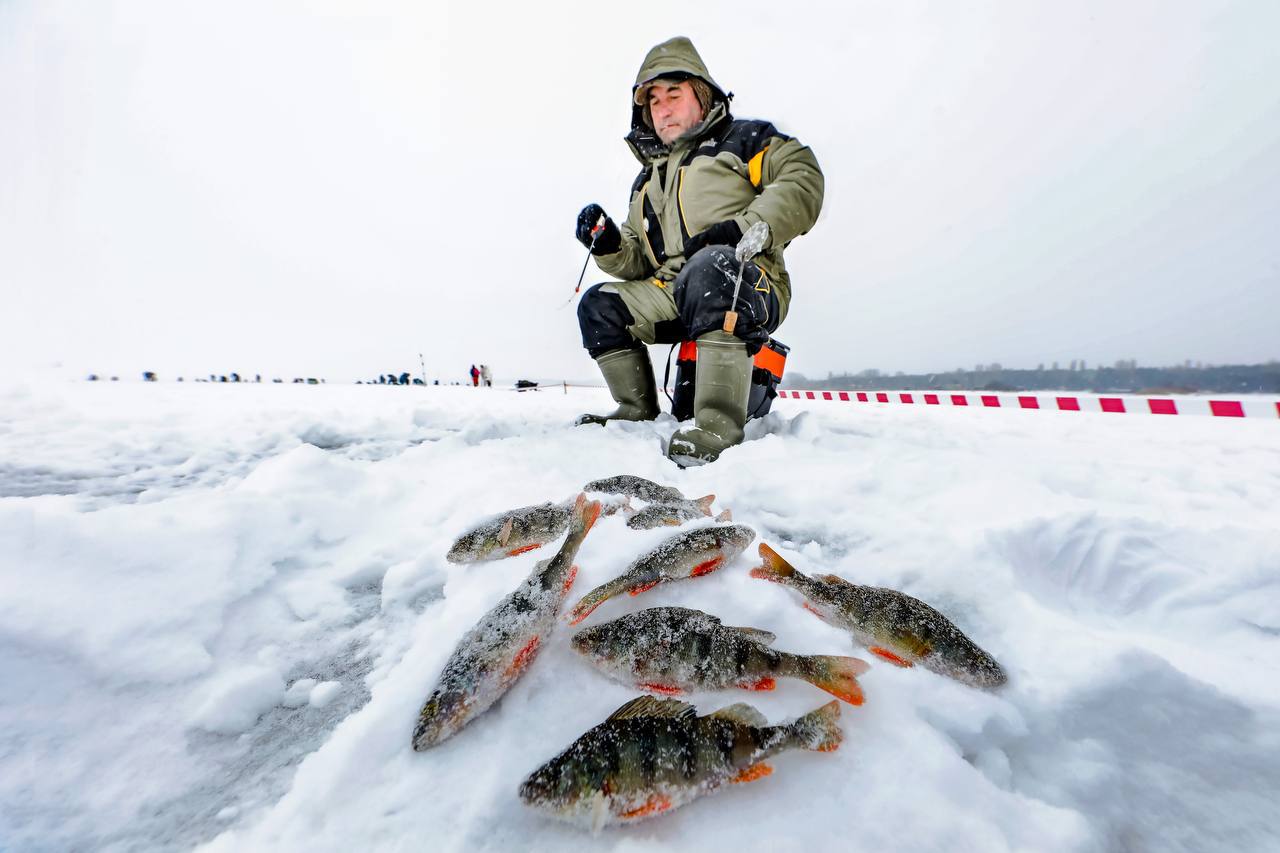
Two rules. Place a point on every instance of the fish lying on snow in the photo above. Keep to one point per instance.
(636, 487)
(674, 514)
(687, 555)
(673, 649)
(890, 624)
(667, 506)
(518, 530)
(493, 654)
(653, 755)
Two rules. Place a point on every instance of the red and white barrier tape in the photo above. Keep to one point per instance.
(1055, 402)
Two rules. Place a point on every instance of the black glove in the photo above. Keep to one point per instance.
(725, 233)
(607, 241)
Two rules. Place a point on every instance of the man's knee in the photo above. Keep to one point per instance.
(603, 318)
(707, 279)
(705, 291)
(711, 269)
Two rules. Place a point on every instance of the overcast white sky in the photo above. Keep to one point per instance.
(330, 188)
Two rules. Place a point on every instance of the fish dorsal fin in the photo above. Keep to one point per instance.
(704, 503)
(652, 706)
(834, 579)
(725, 515)
(505, 533)
(757, 634)
(741, 713)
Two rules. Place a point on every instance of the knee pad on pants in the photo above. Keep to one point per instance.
(603, 318)
(704, 292)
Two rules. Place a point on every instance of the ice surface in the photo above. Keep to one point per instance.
(222, 607)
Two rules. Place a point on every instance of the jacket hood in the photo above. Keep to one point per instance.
(675, 58)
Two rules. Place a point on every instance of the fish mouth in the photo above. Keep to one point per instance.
(986, 675)
(587, 640)
(539, 792)
(430, 735)
(530, 793)
(468, 551)
(439, 720)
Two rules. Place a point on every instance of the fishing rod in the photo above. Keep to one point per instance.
(595, 232)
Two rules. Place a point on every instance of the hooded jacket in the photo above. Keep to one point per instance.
(724, 168)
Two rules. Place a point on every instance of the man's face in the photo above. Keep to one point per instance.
(674, 108)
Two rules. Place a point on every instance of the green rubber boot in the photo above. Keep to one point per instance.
(720, 395)
(629, 375)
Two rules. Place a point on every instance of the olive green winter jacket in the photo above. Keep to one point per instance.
(724, 168)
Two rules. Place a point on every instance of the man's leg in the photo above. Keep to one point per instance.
(617, 320)
(704, 292)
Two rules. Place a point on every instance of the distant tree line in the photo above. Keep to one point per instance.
(1123, 377)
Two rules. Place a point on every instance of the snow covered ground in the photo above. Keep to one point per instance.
(222, 606)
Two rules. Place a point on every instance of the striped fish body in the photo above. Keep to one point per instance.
(892, 625)
(653, 755)
(519, 530)
(492, 655)
(670, 649)
(512, 532)
(674, 649)
(666, 515)
(690, 554)
(635, 487)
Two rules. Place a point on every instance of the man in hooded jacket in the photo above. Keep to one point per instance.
(706, 178)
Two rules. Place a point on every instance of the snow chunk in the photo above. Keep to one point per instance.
(299, 693)
(324, 693)
(235, 700)
(305, 466)
(311, 599)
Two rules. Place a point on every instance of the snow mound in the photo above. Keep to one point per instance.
(221, 612)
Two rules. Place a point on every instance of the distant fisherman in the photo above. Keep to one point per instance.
(653, 755)
(891, 625)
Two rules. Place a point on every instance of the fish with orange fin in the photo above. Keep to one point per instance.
(493, 654)
(690, 554)
(675, 649)
(654, 755)
(636, 487)
(520, 530)
(666, 505)
(675, 514)
(891, 625)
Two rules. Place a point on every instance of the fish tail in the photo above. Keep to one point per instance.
(588, 603)
(818, 730)
(704, 503)
(585, 513)
(773, 568)
(834, 674)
